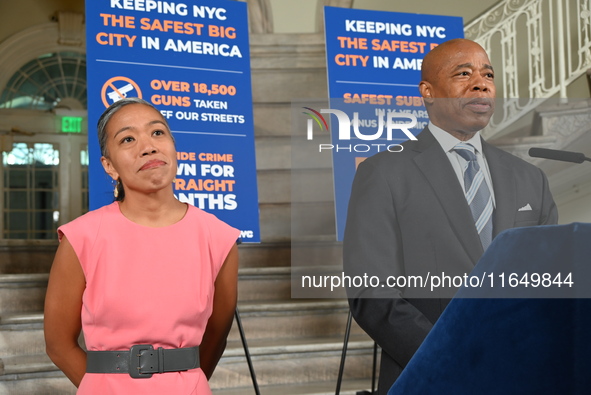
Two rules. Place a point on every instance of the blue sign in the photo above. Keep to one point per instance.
(374, 63)
(190, 60)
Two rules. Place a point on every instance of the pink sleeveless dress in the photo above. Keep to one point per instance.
(147, 286)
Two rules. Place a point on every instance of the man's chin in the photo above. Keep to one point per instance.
(476, 122)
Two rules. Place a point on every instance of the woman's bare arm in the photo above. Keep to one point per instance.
(63, 306)
(220, 322)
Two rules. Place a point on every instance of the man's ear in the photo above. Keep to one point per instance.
(426, 91)
(109, 169)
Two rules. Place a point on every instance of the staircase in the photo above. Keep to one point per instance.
(541, 52)
(295, 344)
(24, 367)
(539, 49)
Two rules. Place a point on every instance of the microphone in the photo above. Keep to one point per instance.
(565, 156)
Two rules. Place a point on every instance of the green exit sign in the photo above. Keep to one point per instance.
(72, 124)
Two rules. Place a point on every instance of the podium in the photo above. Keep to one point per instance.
(516, 339)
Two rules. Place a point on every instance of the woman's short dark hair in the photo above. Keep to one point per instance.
(102, 131)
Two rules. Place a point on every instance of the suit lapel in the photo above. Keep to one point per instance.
(504, 189)
(434, 164)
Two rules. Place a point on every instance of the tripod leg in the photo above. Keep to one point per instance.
(375, 362)
(344, 354)
(247, 354)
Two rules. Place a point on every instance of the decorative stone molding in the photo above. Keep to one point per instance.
(29, 44)
(71, 28)
(562, 126)
(555, 126)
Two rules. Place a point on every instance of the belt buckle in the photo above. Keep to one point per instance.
(135, 354)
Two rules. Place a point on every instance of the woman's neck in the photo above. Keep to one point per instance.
(153, 210)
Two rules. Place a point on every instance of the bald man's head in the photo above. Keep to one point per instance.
(435, 58)
(458, 87)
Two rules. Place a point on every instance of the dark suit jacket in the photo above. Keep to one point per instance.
(408, 216)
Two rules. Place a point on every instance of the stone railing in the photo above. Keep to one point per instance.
(537, 47)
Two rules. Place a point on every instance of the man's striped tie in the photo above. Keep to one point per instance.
(477, 193)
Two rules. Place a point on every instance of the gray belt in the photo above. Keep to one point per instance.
(142, 360)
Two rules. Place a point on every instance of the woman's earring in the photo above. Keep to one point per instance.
(116, 190)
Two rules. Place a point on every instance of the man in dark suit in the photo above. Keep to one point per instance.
(417, 212)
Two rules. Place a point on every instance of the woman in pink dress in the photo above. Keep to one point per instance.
(151, 281)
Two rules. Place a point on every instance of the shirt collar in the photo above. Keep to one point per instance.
(448, 142)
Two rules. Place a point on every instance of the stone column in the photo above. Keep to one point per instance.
(260, 17)
(331, 3)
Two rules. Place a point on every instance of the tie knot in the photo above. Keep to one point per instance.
(466, 151)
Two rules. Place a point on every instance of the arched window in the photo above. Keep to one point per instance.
(52, 80)
(43, 169)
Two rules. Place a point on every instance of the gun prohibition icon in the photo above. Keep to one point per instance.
(120, 93)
